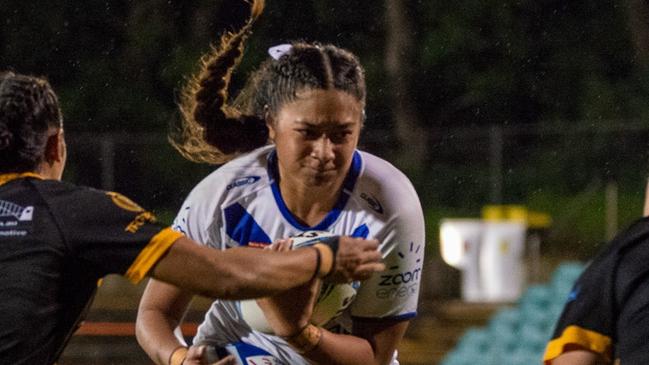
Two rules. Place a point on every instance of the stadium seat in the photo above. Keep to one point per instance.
(518, 335)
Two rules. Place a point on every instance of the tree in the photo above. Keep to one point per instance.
(399, 66)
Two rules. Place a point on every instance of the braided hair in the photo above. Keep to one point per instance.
(28, 108)
(213, 131)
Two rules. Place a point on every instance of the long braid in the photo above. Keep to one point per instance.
(212, 131)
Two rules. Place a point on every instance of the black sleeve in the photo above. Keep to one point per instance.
(110, 233)
(607, 311)
(588, 317)
(632, 343)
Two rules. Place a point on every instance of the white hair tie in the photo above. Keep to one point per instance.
(278, 51)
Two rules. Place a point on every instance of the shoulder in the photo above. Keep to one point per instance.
(382, 186)
(65, 192)
(238, 176)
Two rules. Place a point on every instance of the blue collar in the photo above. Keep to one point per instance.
(332, 216)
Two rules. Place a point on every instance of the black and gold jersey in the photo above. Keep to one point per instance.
(56, 241)
(607, 311)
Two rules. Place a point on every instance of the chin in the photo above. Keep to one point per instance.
(322, 179)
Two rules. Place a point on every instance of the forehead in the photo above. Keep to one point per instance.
(321, 106)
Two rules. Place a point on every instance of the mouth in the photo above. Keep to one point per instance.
(323, 170)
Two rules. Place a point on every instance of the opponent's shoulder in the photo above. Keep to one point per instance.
(66, 191)
(383, 186)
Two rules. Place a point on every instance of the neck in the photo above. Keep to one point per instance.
(310, 204)
(48, 171)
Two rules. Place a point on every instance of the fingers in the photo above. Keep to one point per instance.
(367, 244)
(280, 245)
(195, 355)
(228, 360)
(371, 256)
(365, 271)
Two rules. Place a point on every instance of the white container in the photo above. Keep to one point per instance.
(460, 241)
(502, 274)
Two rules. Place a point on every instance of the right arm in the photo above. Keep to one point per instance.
(579, 357)
(243, 273)
(161, 310)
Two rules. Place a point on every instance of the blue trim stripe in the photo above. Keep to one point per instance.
(241, 226)
(245, 350)
(401, 317)
(361, 232)
(332, 216)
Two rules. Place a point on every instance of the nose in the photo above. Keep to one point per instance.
(323, 149)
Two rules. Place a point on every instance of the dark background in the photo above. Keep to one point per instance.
(540, 103)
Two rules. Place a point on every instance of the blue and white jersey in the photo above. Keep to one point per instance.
(240, 204)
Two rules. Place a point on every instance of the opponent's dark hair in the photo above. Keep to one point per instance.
(28, 108)
(214, 131)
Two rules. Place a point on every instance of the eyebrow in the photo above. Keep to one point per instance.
(325, 124)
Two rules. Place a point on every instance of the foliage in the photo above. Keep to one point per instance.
(118, 66)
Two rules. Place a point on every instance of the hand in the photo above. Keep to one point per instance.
(197, 355)
(280, 245)
(356, 259)
(288, 312)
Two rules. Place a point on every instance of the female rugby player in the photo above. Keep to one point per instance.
(58, 239)
(308, 100)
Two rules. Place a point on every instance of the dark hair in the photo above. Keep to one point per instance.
(214, 131)
(28, 108)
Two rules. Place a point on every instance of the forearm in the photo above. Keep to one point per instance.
(237, 273)
(579, 357)
(371, 344)
(342, 350)
(155, 334)
(266, 272)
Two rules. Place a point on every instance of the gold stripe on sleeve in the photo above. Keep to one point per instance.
(579, 338)
(5, 178)
(150, 255)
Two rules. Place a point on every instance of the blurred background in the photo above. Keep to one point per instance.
(542, 104)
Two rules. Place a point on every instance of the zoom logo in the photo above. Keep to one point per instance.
(401, 284)
(400, 278)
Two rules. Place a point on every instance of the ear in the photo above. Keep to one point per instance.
(55, 147)
(270, 123)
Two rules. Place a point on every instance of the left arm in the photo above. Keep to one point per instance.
(371, 343)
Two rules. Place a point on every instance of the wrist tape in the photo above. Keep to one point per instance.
(306, 340)
(178, 356)
(327, 248)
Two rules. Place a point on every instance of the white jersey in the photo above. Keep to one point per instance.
(240, 204)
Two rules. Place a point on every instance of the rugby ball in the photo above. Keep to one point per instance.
(332, 299)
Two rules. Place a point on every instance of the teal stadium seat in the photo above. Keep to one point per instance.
(518, 335)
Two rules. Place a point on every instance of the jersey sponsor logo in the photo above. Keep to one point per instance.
(15, 220)
(242, 181)
(372, 202)
(398, 283)
(9, 209)
(124, 202)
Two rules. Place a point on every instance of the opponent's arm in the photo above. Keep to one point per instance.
(579, 357)
(241, 273)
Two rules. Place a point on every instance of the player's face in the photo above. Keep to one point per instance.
(316, 136)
